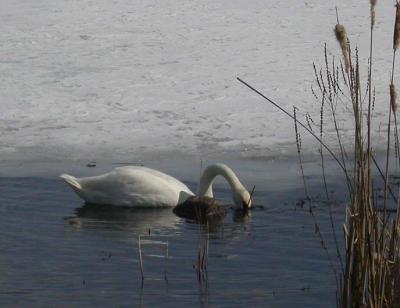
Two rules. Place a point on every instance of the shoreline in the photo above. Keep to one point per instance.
(273, 177)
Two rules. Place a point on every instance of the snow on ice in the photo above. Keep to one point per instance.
(84, 79)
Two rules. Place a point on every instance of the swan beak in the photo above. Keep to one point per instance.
(246, 205)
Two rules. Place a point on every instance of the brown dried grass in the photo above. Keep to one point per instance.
(372, 237)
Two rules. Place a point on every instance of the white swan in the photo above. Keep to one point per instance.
(145, 187)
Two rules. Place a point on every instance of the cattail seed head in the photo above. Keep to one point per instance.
(340, 32)
(393, 98)
(372, 16)
(341, 36)
(396, 34)
(373, 4)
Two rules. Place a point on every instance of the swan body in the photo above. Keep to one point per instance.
(144, 187)
(130, 186)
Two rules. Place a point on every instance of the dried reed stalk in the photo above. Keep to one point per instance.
(321, 150)
(393, 94)
(334, 156)
(370, 99)
(396, 42)
(371, 273)
(372, 240)
(298, 145)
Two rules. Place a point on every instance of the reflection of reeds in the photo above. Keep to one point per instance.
(202, 255)
(140, 257)
(202, 261)
(152, 241)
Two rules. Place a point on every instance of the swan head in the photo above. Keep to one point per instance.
(242, 199)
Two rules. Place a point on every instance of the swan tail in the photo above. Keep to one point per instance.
(71, 181)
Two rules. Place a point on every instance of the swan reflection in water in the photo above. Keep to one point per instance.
(138, 220)
(145, 220)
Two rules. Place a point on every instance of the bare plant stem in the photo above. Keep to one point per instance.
(298, 145)
(388, 143)
(318, 139)
(302, 125)
(370, 101)
(342, 150)
(321, 148)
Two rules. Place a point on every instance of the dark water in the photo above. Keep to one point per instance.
(56, 251)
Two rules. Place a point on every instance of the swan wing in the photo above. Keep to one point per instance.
(140, 172)
(133, 186)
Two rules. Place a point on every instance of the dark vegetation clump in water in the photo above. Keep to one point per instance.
(204, 210)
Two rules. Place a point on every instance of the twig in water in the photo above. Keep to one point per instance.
(140, 259)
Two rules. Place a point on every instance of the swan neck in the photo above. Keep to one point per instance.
(209, 174)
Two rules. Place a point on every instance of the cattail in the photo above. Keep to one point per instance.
(341, 36)
(373, 3)
(393, 97)
(396, 34)
(372, 16)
